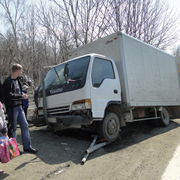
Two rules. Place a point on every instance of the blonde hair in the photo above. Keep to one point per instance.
(16, 67)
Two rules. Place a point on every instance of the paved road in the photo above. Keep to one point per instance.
(172, 171)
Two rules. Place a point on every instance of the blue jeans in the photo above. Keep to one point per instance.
(19, 116)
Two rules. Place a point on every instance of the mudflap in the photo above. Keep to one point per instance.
(174, 112)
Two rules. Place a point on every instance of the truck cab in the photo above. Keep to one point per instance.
(79, 91)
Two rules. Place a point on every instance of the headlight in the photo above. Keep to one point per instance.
(78, 107)
(81, 104)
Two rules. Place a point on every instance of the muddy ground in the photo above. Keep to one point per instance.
(142, 152)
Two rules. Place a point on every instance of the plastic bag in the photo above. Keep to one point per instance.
(2, 139)
(8, 150)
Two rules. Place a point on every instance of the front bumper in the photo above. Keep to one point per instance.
(70, 121)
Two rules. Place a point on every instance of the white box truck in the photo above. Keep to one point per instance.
(109, 82)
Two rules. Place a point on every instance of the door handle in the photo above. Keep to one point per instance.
(115, 91)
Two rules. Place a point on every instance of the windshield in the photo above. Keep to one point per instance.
(56, 82)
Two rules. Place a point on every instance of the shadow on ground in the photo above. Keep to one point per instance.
(69, 146)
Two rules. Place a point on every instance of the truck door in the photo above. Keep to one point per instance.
(105, 85)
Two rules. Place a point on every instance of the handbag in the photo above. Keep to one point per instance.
(8, 150)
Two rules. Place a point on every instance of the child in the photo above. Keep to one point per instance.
(3, 126)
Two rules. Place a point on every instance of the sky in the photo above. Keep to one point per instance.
(176, 5)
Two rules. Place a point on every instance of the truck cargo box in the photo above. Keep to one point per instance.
(148, 76)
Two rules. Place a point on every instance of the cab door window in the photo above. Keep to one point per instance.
(101, 69)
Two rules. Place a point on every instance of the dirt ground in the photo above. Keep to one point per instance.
(142, 152)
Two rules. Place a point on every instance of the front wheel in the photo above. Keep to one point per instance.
(109, 127)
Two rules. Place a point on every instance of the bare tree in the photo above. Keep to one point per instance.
(57, 34)
(13, 14)
(85, 20)
(43, 35)
(150, 21)
(27, 34)
(5, 54)
(176, 53)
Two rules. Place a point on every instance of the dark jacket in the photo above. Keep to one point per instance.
(2, 93)
(9, 90)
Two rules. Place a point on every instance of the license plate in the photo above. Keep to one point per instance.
(52, 120)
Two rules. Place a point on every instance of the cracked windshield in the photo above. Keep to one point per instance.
(67, 76)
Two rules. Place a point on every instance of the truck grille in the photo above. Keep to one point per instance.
(58, 110)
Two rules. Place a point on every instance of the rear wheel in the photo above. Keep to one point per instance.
(164, 117)
(109, 127)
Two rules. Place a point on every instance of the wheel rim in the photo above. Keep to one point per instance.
(111, 127)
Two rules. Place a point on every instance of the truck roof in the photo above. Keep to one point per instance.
(75, 50)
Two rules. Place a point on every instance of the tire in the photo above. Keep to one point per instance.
(109, 127)
(164, 117)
